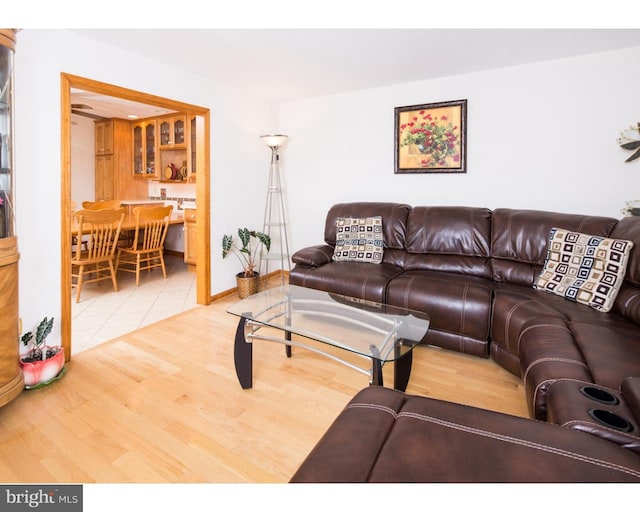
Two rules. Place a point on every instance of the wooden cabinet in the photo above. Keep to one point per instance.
(173, 132)
(114, 161)
(145, 149)
(190, 236)
(11, 379)
(104, 137)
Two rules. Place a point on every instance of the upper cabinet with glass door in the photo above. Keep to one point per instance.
(173, 132)
(7, 45)
(144, 149)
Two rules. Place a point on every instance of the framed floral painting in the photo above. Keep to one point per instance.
(431, 138)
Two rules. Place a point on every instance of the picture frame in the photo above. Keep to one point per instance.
(431, 138)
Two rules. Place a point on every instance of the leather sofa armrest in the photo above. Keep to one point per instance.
(630, 389)
(314, 256)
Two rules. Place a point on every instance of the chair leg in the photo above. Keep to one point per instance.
(137, 269)
(164, 270)
(79, 282)
(113, 276)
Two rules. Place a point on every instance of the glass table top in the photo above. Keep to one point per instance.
(367, 328)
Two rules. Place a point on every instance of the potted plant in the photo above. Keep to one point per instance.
(41, 364)
(249, 252)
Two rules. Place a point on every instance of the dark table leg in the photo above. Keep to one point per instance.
(402, 371)
(376, 367)
(243, 356)
(287, 348)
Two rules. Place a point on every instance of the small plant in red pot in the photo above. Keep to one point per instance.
(41, 364)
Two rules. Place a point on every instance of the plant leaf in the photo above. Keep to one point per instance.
(633, 157)
(245, 237)
(631, 145)
(227, 243)
(265, 239)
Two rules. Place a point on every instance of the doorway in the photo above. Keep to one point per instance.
(203, 267)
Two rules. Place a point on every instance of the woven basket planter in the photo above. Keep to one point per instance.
(247, 285)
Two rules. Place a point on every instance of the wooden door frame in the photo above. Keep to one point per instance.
(203, 267)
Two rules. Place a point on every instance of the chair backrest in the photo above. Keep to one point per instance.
(152, 223)
(101, 205)
(103, 229)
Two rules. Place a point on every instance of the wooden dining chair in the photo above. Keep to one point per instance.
(102, 229)
(102, 204)
(74, 237)
(146, 250)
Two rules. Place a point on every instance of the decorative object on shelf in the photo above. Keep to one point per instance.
(630, 140)
(431, 138)
(249, 253)
(41, 364)
(275, 224)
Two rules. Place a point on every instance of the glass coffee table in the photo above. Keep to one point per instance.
(323, 322)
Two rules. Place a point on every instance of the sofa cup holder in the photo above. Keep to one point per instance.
(611, 420)
(599, 395)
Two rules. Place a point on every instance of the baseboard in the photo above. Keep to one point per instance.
(263, 281)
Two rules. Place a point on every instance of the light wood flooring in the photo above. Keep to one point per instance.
(163, 404)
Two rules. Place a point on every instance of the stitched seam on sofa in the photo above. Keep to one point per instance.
(507, 324)
(382, 408)
(552, 359)
(600, 426)
(521, 442)
(564, 328)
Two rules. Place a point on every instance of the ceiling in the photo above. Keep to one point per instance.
(289, 64)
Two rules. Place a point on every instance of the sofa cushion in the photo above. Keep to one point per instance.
(519, 240)
(584, 268)
(384, 435)
(450, 239)
(459, 307)
(359, 239)
(394, 220)
(349, 278)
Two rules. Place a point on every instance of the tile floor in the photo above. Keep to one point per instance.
(103, 314)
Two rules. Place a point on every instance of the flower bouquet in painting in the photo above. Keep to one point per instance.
(41, 364)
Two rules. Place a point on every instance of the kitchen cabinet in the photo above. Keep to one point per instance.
(145, 149)
(11, 379)
(190, 236)
(173, 132)
(104, 137)
(114, 161)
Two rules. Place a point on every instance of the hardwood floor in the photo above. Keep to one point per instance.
(163, 404)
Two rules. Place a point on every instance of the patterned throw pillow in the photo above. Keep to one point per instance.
(584, 268)
(359, 239)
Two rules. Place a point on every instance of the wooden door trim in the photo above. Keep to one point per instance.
(203, 268)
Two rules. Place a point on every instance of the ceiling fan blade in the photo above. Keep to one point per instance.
(87, 114)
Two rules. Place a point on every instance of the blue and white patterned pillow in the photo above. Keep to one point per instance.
(359, 239)
(584, 268)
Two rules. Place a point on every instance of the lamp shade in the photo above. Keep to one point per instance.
(274, 141)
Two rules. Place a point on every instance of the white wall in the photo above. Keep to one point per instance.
(82, 159)
(540, 136)
(237, 155)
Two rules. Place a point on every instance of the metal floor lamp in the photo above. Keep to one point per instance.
(275, 224)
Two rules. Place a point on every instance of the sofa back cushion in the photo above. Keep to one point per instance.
(449, 239)
(394, 220)
(519, 240)
(627, 302)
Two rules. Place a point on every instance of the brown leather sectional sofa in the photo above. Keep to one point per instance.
(473, 270)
